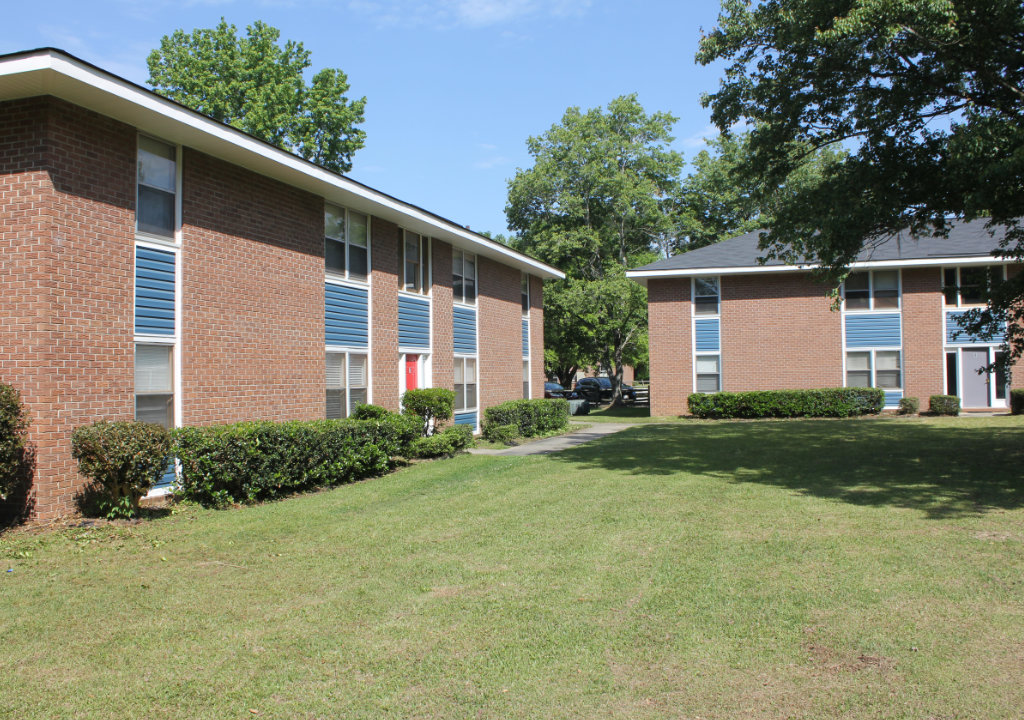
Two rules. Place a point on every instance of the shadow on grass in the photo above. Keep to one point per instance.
(943, 470)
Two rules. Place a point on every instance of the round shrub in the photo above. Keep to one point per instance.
(944, 405)
(503, 434)
(366, 411)
(909, 406)
(446, 443)
(429, 405)
(1017, 401)
(123, 460)
(13, 427)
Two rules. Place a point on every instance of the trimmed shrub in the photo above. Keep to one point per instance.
(530, 417)
(370, 412)
(13, 427)
(446, 443)
(429, 405)
(1017, 402)
(503, 434)
(909, 406)
(828, 402)
(250, 462)
(123, 460)
(944, 405)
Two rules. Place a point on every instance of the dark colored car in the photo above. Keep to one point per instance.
(554, 390)
(599, 389)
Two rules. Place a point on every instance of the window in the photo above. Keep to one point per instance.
(705, 296)
(346, 383)
(709, 373)
(345, 243)
(157, 185)
(154, 385)
(874, 368)
(952, 375)
(969, 285)
(465, 384)
(463, 277)
(875, 290)
(1000, 373)
(526, 379)
(524, 289)
(416, 253)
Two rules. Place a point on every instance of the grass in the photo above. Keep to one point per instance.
(627, 413)
(869, 568)
(485, 444)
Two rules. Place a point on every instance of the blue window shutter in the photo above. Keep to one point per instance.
(464, 331)
(154, 291)
(707, 335)
(413, 322)
(346, 313)
(873, 330)
(953, 327)
(526, 337)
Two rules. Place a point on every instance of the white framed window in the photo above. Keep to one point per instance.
(968, 286)
(708, 370)
(874, 368)
(416, 262)
(706, 295)
(347, 383)
(465, 384)
(872, 290)
(346, 243)
(526, 379)
(154, 383)
(464, 277)
(524, 290)
(156, 189)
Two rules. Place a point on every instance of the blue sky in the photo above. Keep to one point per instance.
(453, 87)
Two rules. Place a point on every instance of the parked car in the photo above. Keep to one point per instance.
(554, 390)
(599, 389)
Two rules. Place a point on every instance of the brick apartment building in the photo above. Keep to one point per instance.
(720, 320)
(160, 265)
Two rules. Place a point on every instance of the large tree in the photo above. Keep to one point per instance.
(255, 84)
(927, 96)
(593, 204)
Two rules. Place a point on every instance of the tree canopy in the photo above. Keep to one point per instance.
(926, 95)
(257, 85)
(598, 196)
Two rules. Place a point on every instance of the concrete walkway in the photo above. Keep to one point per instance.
(561, 442)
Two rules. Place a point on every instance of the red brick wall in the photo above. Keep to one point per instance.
(670, 327)
(67, 183)
(253, 309)
(779, 332)
(536, 337)
(443, 356)
(384, 312)
(923, 332)
(499, 333)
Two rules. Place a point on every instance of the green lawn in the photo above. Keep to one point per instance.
(866, 568)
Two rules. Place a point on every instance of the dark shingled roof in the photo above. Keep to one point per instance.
(966, 239)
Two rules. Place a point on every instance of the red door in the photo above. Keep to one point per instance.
(412, 364)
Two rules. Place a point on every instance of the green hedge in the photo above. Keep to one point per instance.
(944, 405)
(829, 402)
(13, 426)
(430, 405)
(123, 460)
(909, 406)
(531, 417)
(1017, 402)
(446, 443)
(249, 462)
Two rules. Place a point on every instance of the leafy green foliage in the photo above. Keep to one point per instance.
(366, 411)
(122, 459)
(503, 434)
(909, 406)
(1017, 401)
(255, 84)
(599, 195)
(530, 417)
(13, 427)
(829, 402)
(446, 443)
(926, 96)
(249, 462)
(429, 405)
(944, 405)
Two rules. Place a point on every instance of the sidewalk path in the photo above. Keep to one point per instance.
(562, 442)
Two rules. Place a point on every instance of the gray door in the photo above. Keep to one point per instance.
(975, 392)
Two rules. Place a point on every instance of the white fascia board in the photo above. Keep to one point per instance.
(50, 72)
(642, 276)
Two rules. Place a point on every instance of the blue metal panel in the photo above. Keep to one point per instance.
(953, 327)
(464, 331)
(167, 479)
(467, 418)
(706, 332)
(526, 337)
(346, 313)
(154, 292)
(413, 322)
(892, 398)
(873, 330)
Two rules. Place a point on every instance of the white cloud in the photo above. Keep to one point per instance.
(488, 163)
(463, 13)
(699, 139)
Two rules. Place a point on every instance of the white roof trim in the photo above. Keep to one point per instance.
(52, 72)
(642, 276)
